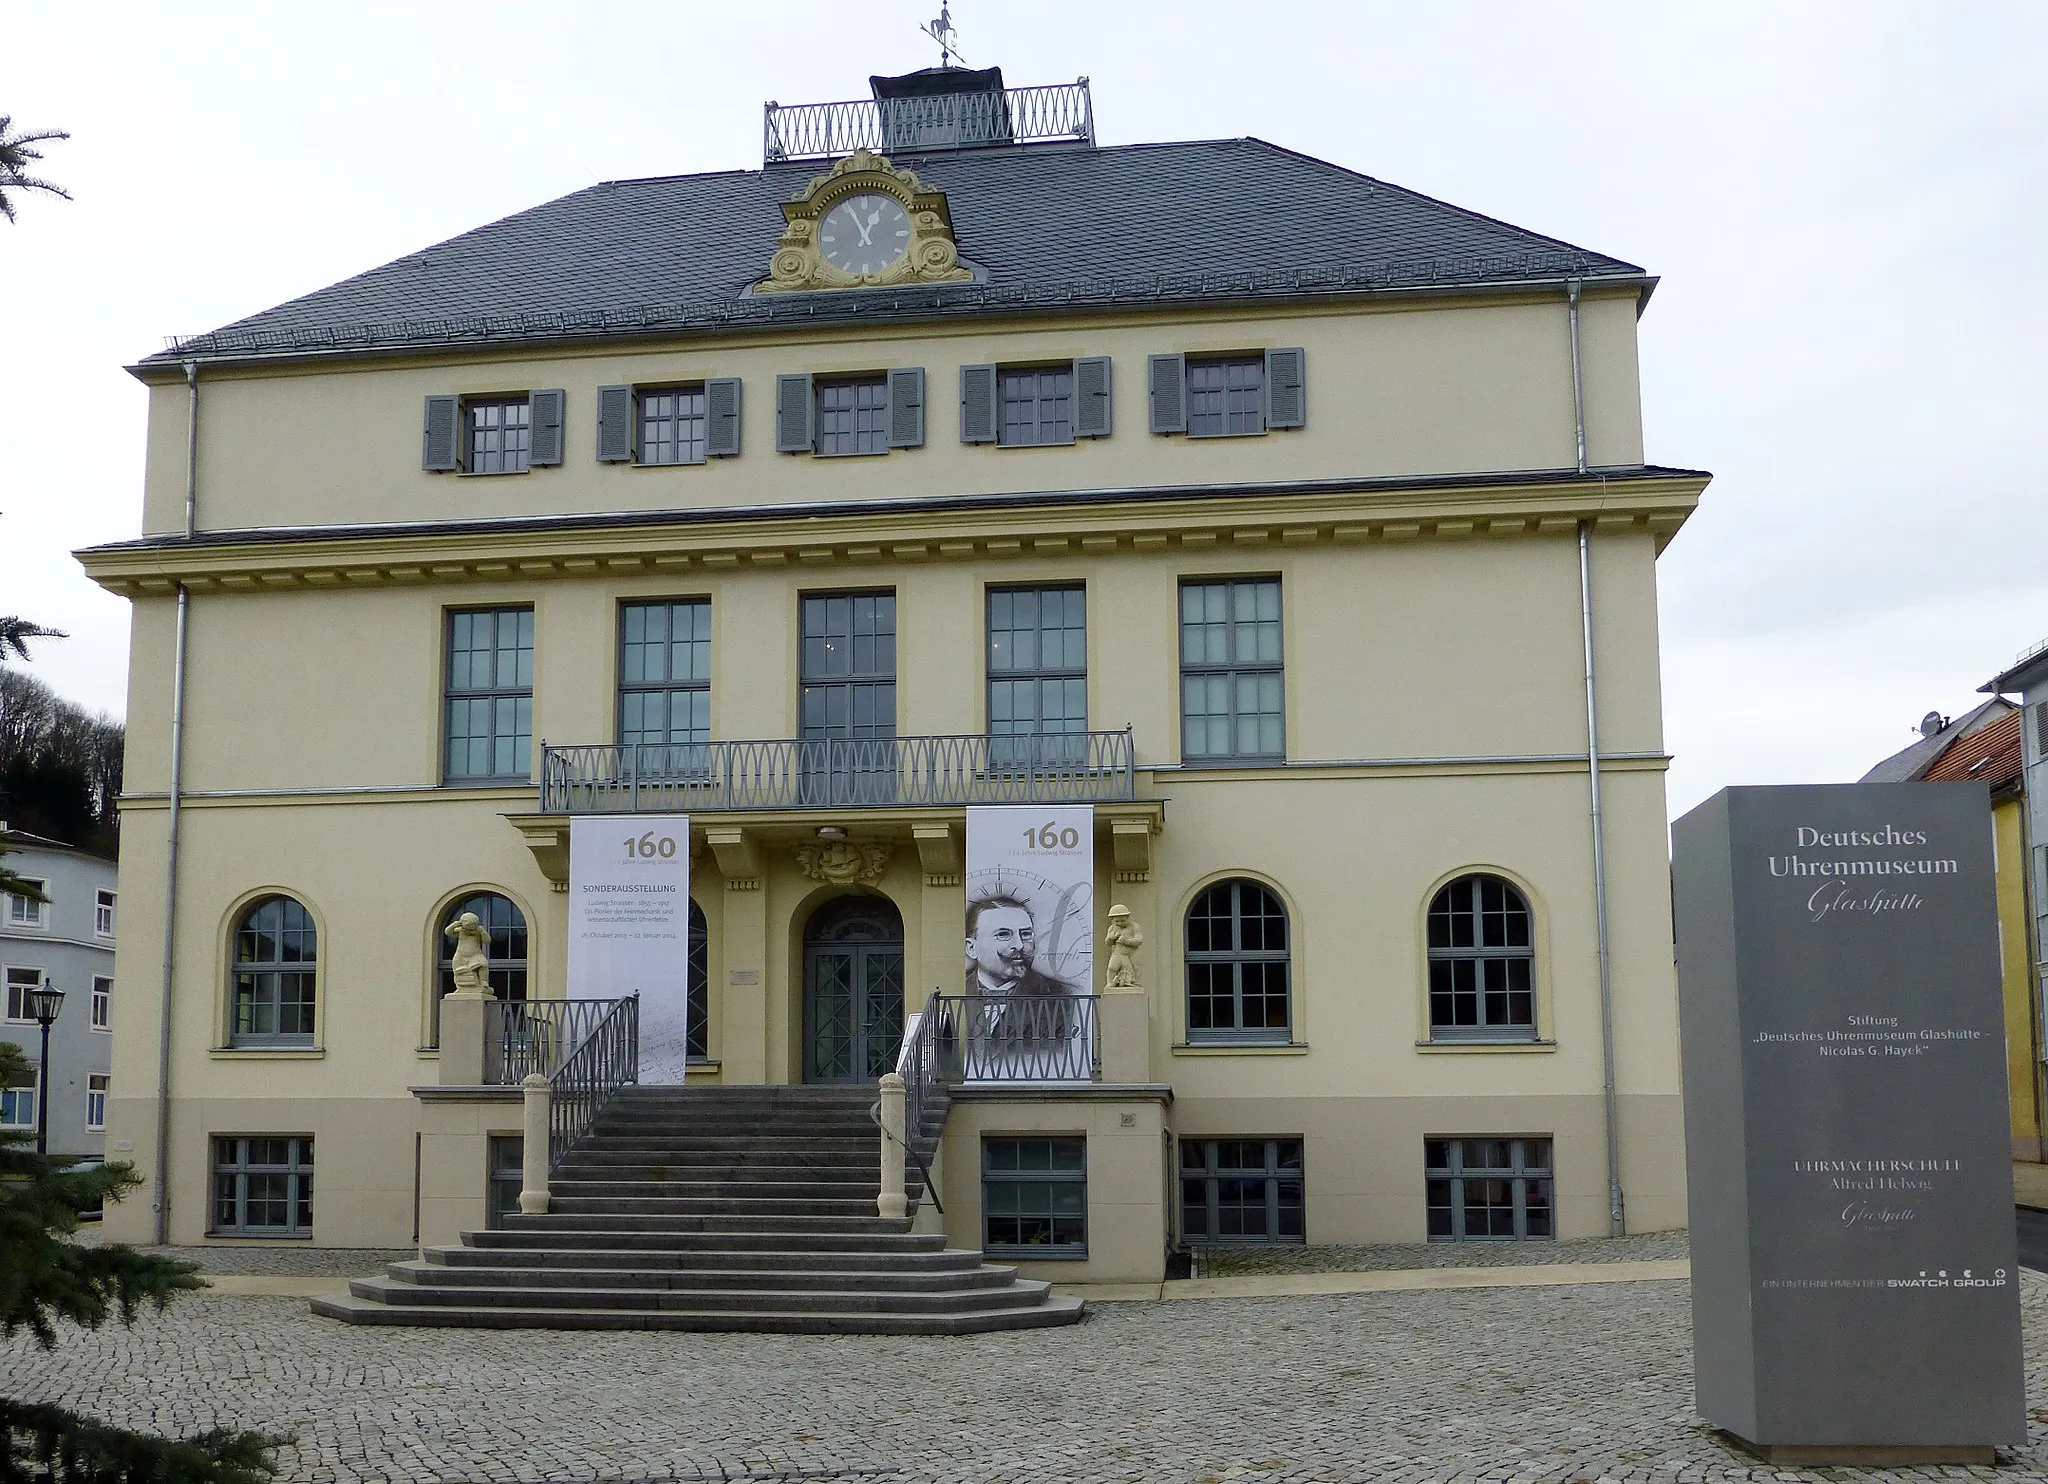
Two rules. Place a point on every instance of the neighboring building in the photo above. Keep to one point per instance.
(67, 941)
(2027, 678)
(1247, 493)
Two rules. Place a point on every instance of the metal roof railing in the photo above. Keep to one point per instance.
(816, 131)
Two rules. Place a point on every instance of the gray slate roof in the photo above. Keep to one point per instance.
(1048, 227)
(1906, 765)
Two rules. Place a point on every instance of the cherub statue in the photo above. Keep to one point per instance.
(1124, 939)
(472, 960)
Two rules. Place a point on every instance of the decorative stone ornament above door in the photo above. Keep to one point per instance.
(863, 224)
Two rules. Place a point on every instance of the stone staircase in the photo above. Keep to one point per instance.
(724, 1208)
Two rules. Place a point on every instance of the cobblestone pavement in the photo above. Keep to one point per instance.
(1522, 1386)
(1226, 1262)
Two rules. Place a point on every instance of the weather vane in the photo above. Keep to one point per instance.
(941, 30)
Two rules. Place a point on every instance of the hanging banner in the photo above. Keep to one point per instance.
(1030, 944)
(629, 926)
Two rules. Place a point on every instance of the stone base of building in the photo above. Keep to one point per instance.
(1865, 1455)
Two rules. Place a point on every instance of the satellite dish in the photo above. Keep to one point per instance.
(1931, 723)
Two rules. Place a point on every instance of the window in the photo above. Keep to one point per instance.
(672, 425)
(96, 1101)
(276, 956)
(1034, 1197)
(842, 415)
(505, 929)
(665, 687)
(1038, 407)
(18, 1104)
(1488, 1190)
(1228, 396)
(656, 425)
(847, 701)
(27, 912)
(1237, 965)
(263, 1186)
(1482, 963)
(1230, 672)
(21, 983)
(1038, 675)
(103, 913)
(506, 1176)
(1241, 1190)
(490, 695)
(853, 416)
(697, 1027)
(1033, 406)
(102, 1003)
(497, 436)
(505, 434)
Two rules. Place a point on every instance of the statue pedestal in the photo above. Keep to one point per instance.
(1126, 1015)
(466, 1022)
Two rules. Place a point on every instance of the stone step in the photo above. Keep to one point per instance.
(743, 1186)
(695, 1276)
(894, 1238)
(798, 1143)
(709, 1221)
(1053, 1310)
(717, 1167)
(894, 1259)
(750, 1211)
(853, 1300)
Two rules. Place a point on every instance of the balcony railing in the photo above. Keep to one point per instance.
(1013, 1038)
(902, 772)
(806, 131)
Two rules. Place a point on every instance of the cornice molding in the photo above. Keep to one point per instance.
(980, 528)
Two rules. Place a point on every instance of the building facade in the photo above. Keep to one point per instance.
(1278, 510)
(67, 941)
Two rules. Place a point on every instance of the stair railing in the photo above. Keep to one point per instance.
(605, 1060)
(921, 1065)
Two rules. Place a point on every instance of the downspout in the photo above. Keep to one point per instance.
(1616, 1222)
(163, 1044)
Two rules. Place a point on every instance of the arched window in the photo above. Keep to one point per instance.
(506, 926)
(1482, 963)
(1237, 965)
(276, 958)
(698, 1030)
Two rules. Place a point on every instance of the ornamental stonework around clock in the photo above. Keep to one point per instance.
(863, 224)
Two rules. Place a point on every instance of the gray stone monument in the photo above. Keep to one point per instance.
(1855, 1280)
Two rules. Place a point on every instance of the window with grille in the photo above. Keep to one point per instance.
(673, 425)
(275, 968)
(1231, 674)
(262, 1186)
(505, 950)
(103, 913)
(27, 912)
(506, 1174)
(1241, 1190)
(497, 435)
(1237, 964)
(489, 696)
(22, 981)
(1488, 1190)
(1038, 676)
(1034, 1197)
(102, 1003)
(1482, 963)
(1038, 406)
(665, 688)
(18, 1104)
(96, 1084)
(1226, 396)
(853, 416)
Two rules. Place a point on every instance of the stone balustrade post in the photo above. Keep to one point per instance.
(533, 1164)
(890, 1203)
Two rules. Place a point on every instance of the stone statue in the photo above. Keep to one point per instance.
(472, 959)
(1124, 939)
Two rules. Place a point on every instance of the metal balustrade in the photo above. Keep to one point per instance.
(1012, 1038)
(587, 1049)
(789, 773)
(805, 131)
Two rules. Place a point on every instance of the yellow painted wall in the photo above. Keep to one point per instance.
(2016, 975)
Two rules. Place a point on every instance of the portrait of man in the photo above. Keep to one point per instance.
(1002, 944)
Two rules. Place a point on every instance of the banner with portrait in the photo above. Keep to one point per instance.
(1030, 962)
(629, 927)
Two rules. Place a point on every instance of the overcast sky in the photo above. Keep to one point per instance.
(1845, 202)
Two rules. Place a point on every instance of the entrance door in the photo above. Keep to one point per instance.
(853, 990)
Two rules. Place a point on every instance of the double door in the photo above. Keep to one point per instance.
(853, 991)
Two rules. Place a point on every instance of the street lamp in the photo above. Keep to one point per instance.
(44, 1003)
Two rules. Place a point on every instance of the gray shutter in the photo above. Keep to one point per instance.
(1286, 396)
(977, 404)
(793, 414)
(2041, 729)
(440, 447)
(615, 429)
(544, 418)
(1168, 378)
(1091, 397)
(906, 407)
(722, 417)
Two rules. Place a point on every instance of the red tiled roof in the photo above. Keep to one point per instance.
(1989, 755)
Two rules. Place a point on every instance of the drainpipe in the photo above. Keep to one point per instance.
(1616, 1223)
(163, 1045)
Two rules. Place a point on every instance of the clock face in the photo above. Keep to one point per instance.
(865, 234)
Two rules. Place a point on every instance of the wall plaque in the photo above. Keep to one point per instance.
(1855, 1274)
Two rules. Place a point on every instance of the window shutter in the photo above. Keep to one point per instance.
(2041, 729)
(544, 411)
(906, 407)
(1091, 397)
(977, 404)
(615, 425)
(1286, 397)
(793, 414)
(1168, 376)
(722, 417)
(440, 448)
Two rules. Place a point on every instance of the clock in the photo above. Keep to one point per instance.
(865, 234)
